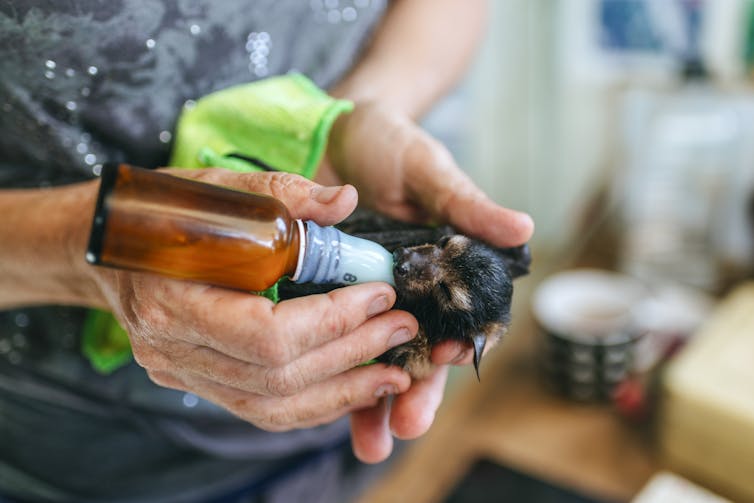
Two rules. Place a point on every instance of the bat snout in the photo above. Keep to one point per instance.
(402, 265)
(414, 270)
(408, 262)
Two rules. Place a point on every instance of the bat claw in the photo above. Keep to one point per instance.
(480, 340)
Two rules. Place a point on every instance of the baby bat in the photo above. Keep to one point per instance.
(458, 288)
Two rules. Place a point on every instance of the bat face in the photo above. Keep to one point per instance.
(436, 272)
(458, 289)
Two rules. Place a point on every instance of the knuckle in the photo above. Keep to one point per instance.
(271, 416)
(150, 318)
(334, 320)
(284, 381)
(147, 357)
(280, 184)
(360, 353)
(163, 379)
(272, 353)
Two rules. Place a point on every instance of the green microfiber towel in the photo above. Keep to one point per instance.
(280, 123)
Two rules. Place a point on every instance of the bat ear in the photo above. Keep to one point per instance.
(517, 259)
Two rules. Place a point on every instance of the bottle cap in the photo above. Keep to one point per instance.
(332, 256)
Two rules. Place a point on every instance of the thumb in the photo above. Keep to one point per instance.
(326, 205)
(451, 196)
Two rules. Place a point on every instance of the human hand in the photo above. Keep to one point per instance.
(284, 366)
(403, 172)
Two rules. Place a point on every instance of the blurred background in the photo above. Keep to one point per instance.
(626, 129)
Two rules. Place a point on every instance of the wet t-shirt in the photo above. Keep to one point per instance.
(84, 82)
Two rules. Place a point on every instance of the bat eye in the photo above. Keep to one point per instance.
(443, 242)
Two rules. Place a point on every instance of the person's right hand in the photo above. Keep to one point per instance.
(284, 366)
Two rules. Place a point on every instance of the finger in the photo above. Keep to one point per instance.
(451, 352)
(413, 412)
(319, 403)
(455, 353)
(303, 198)
(371, 439)
(367, 342)
(253, 329)
(182, 383)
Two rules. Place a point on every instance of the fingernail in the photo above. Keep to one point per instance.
(378, 305)
(385, 390)
(399, 337)
(526, 221)
(324, 195)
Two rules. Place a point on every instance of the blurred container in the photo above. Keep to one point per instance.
(589, 331)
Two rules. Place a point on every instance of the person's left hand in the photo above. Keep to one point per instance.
(402, 172)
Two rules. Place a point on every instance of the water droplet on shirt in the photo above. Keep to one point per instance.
(190, 400)
(90, 159)
(71, 105)
(92, 70)
(97, 169)
(189, 104)
(70, 72)
(165, 136)
(50, 74)
(349, 14)
(50, 64)
(150, 43)
(195, 29)
(22, 320)
(82, 148)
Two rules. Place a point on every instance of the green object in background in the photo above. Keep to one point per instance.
(104, 342)
(281, 122)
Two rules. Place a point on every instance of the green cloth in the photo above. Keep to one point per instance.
(281, 122)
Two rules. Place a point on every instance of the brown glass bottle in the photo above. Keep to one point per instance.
(181, 228)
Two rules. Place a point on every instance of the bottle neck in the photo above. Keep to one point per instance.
(301, 229)
(328, 255)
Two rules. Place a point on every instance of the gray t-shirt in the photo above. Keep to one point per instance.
(88, 81)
